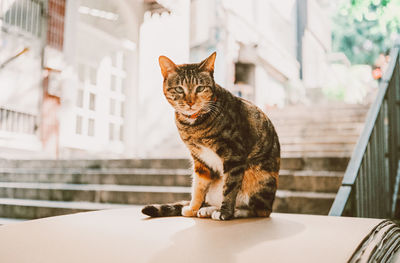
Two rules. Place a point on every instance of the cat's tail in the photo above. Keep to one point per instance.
(174, 209)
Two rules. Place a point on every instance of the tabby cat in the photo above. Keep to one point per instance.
(233, 144)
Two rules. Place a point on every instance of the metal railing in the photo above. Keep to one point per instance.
(17, 122)
(22, 16)
(371, 181)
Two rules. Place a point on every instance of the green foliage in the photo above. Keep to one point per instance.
(362, 29)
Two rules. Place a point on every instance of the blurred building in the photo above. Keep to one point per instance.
(80, 78)
(67, 69)
(265, 48)
(270, 52)
(99, 76)
(21, 51)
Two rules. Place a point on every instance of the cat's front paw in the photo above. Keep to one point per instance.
(218, 215)
(188, 211)
(206, 212)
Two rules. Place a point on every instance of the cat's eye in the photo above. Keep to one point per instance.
(200, 89)
(179, 90)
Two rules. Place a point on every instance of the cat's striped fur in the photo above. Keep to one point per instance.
(233, 144)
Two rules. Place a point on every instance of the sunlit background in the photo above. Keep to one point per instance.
(80, 78)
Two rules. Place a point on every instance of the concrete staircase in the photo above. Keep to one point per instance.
(316, 146)
(319, 131)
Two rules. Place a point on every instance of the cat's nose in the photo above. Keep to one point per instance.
(190, 103)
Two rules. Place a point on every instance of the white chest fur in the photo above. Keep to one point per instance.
(214, 196)
(211, 159)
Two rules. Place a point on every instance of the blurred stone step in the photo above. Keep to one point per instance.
(119, 194)
(327, 127)
(331, 129)
(129, 163)
(310, 181)
(129, 176)
(317, 118)
(7, 221)
(285, 202)
(303, 202)
(293, 162)
(303, 110)
(321, 163)
(98, 164)
(32, 209)
(317, 181)
(319, 140)
(285, 133)
(333, 148)
(296, 154)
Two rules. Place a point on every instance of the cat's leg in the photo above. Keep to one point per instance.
(261, 201)
(201, 183)
(233, 180)
(242, 213)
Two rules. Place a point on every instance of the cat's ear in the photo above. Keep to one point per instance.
(208, 63)
(166, 65)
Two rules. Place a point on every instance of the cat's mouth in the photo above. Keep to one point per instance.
(192, 114)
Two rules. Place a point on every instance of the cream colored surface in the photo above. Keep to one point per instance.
(124, 235)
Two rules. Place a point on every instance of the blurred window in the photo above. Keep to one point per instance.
(92, 102)
(78, 125)
(93, 76)
(91, 127)
(112, 106)
(79, 98)
(113, 83)
(121, 133)
(122, 113)
(245, 80)
(111, 131)
(81, 73)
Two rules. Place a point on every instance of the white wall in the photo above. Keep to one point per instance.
(268, 91)
(316, 46)
(166, 35)
(20, 89)
(20, 80)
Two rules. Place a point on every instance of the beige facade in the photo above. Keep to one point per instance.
(108, 79)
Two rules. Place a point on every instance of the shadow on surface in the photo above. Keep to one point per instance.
(211, 241)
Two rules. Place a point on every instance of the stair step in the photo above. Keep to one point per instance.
(319, 140)
(32, 209)
(98, 164)
(319, 163)
(292, 161)
(303, 202)
(328, 128)
(286, 201)
(310, 181)
(81, 197)
(303, 110)
(314, 119)
(318, 181)
(158, 163)
(122, 194)
(329, 147)
(129, 176)
(7, 221)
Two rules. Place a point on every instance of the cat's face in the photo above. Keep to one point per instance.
(189, 88)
